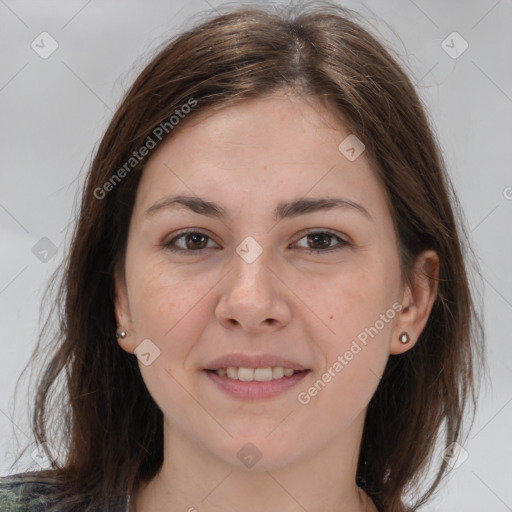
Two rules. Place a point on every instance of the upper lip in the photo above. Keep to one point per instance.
(239, 360)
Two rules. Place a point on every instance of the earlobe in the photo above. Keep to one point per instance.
(122, 311)
(418, 299)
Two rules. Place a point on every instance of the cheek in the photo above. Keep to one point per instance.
(166, 309)
(161, 299)
(171, 309)
(361, 315)
(355, 351)
(155, 301)
(355, 300)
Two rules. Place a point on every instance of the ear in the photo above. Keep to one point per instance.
(417, 301)
(122, 311)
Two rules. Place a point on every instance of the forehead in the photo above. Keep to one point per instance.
(265, 149)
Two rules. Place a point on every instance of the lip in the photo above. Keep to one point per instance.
(255, 389)
(240, 360)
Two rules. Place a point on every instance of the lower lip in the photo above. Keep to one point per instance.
(255, 389)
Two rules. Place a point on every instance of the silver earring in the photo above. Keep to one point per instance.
(121, 334)
(404, 338)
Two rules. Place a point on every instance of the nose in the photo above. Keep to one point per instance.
(254, 297)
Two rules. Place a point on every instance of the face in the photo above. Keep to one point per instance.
(261, 276)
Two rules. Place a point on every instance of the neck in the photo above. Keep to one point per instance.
(191, 479)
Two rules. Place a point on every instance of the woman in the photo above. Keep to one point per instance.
(216, 355)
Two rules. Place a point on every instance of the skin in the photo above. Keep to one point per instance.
(197, 306)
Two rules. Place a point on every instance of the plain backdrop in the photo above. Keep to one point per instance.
(54, 111)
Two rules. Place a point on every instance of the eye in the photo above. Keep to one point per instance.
(190, 241)
(322, 240)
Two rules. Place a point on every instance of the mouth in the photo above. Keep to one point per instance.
(254, 376)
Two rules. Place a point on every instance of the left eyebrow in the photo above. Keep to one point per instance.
(283, 210)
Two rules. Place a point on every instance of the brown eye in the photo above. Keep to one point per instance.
(189, 241)
(321, 242)
(195, 240)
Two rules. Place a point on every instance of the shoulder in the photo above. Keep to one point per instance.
(24, 492)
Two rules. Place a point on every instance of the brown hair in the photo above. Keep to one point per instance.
(109, 425)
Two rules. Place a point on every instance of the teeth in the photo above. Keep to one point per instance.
(258, 374)
(232, 373)
(246, 374)
(277, 372)
(261, 374)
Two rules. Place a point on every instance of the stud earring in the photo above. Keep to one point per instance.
(404, 338)
(121, 334)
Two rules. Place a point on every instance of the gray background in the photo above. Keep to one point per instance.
(55, 110)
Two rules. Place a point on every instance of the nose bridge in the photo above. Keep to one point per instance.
(250, 264)
(250, 295)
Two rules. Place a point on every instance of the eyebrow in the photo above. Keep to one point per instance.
(283, 210)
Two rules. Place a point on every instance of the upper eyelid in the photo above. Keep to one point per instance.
(312, 231)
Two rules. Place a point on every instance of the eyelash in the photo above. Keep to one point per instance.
(341, 242)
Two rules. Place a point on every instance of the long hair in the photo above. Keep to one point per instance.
(107, 425)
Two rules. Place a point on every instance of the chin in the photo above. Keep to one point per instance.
(259, 451)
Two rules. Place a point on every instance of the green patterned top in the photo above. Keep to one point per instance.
(31, 492)
(23, 492)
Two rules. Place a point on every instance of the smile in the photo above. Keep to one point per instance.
(259, 374)
(255, 383)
